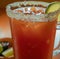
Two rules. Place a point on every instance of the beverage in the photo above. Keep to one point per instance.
(32, 31)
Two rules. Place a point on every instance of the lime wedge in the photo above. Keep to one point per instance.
(8, 52)
(53, 7)
(1, 48)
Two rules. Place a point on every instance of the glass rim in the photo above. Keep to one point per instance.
(37, 18)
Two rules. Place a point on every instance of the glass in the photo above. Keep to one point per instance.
(34, 33)
(56, 51)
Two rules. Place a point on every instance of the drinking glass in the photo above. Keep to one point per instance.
(33, 33)
(56, 50)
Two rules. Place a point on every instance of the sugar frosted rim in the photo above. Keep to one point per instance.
(18, 16)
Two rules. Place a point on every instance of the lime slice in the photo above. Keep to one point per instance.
(1, 48)
(53, 7)
(8, 52)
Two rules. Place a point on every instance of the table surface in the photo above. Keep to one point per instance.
(4, 23)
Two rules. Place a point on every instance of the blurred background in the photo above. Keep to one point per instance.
(3, 3)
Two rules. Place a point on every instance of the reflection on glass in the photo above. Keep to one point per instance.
(56, 51)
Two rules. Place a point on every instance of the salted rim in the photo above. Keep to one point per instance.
(22, 16)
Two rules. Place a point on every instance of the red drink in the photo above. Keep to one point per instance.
(33, 37)
(33, 40)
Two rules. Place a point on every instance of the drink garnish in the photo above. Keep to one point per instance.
(1, 48)
(54, 6)
(8, 52)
